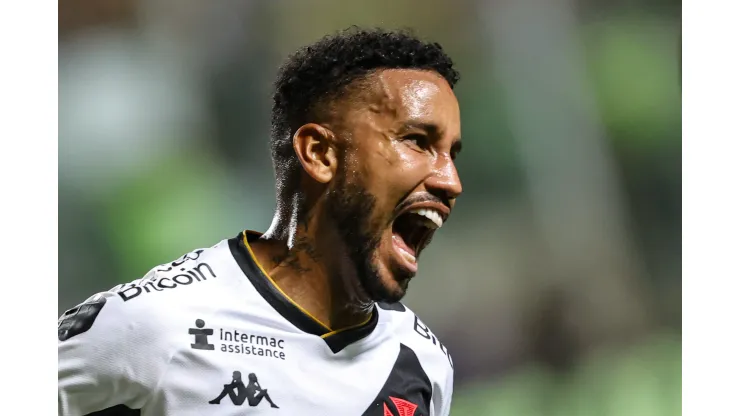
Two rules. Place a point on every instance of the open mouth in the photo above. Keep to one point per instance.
(413, 231)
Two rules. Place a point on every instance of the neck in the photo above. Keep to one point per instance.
(301, 258)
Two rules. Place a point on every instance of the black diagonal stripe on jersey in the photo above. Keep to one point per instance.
(120, 410)
(407, 381)
(336, 340)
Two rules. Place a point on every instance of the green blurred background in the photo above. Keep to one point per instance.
(557, 284)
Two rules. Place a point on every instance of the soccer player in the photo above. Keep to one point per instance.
(365, 131)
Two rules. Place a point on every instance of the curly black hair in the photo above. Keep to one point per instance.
(315, 74)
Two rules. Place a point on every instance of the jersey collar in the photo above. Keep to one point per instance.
(285, 306)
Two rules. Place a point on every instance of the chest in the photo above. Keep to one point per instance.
(237, 373)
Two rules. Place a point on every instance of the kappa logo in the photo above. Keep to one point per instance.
(252, 393)
(402, 407)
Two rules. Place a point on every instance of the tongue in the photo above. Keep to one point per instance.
(407, 252)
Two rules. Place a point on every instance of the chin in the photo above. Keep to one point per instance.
(390, 293)
(386, 284)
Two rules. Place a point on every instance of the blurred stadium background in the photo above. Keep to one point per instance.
(557, 284)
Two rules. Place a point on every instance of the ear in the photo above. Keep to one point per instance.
(313, 146)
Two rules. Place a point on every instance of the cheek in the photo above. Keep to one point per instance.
(410, 166)
(402, 168)
(390, 172)
(410, 161)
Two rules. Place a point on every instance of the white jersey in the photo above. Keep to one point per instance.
(211, 334)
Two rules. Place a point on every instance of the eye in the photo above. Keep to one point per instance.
(455, 151)
(419, 140)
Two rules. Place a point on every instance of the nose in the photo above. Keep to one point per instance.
(444, 180)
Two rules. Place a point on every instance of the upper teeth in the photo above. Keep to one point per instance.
(434, 216)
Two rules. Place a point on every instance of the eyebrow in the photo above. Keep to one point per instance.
(430, 128)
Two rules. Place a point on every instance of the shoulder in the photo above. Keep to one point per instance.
(188, 276)
(115, 346)
(142, 311)
(415, 334)
(109, 350)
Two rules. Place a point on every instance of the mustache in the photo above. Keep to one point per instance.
(420, 197)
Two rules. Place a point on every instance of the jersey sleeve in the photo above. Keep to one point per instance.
(109, 356)
(447, 394)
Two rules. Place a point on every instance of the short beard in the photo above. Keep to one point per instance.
(351, 206)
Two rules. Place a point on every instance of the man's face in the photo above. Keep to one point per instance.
(397, 181)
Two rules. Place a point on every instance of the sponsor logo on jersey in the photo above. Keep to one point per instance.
(170, 277)
(201, 336)
(424, 331)
(251, 393)
(235, 341)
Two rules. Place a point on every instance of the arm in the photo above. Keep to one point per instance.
(107, 357)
